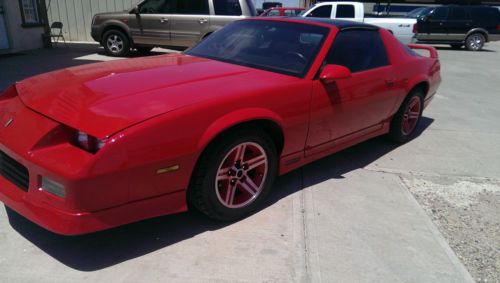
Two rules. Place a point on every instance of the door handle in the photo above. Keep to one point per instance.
(202, 21)
(163, 20)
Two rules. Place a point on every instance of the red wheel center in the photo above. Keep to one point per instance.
(411, 116)
(241, 175)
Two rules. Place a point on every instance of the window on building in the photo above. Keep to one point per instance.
(29, 12)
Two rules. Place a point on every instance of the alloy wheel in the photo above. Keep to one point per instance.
(411, 115)
(241, 175)
(115, 43)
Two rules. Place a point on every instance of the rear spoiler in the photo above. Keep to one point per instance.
(432, 51)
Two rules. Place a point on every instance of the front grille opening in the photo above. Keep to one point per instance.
(14, 171)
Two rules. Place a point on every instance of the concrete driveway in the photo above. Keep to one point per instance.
(350, 217)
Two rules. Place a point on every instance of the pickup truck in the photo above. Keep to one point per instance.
(403, 29)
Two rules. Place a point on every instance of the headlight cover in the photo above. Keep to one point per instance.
(88, 142)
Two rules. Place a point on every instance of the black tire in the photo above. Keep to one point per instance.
(144, 50)
(397, 131)
(203, 193)
(116, 43)
(456, 46)
(475, 42)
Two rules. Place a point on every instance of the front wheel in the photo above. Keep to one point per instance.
(405, 121)
(475, 42)
(116, 43)
(234, 175)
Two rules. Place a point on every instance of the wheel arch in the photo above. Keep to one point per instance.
(263, 119)
(419, 82)
(478, 30)
(117, 26)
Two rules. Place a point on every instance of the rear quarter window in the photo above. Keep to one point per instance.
(350, 50)
(345, 11)
(485, 16)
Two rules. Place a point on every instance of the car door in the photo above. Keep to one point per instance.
(458, 23)
(433, 27)
(151, 26)
(354, 106)
(188, 20)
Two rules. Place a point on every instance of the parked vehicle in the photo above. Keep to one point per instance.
(402, 28)
(268, 5)
(456, 25)
(282, 12)
(418, 12)
(96, 146)
(165, 23)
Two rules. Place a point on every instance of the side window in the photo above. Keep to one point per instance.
(457, 14)
(273, 13)
(440, 14)
(350, 50)
(153, 7)
(345, 12)
(324, 11)
(485, 16)
(290, 13)
(194, 7)
(227, 7)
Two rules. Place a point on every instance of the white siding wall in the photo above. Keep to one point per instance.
(76, 15)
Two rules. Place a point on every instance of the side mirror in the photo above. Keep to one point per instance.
(134, 10)
(330, 73)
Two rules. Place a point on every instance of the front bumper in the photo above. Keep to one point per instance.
(97, 194)
(96, 33)
(31, 206)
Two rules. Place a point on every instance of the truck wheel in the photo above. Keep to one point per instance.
(475, 42)
(116, 43)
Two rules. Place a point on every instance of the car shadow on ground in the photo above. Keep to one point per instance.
(107, 248)
(461, 49)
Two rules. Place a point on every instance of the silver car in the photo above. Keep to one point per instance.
(167, 23)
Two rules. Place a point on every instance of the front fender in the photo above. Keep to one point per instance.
(235, 118)
(116, 23)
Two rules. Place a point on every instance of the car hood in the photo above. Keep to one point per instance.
(104, 98)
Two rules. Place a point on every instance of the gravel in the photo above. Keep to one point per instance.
(467, 212)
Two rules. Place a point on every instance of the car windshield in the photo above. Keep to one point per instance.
(282, 47)
(417, 13)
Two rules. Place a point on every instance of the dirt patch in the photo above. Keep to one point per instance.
(467, 212)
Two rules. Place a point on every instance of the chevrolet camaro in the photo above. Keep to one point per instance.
(92, 147)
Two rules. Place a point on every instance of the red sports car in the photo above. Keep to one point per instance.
(93, 147)
(282, 12)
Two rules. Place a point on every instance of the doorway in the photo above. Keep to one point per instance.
(4, 40)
